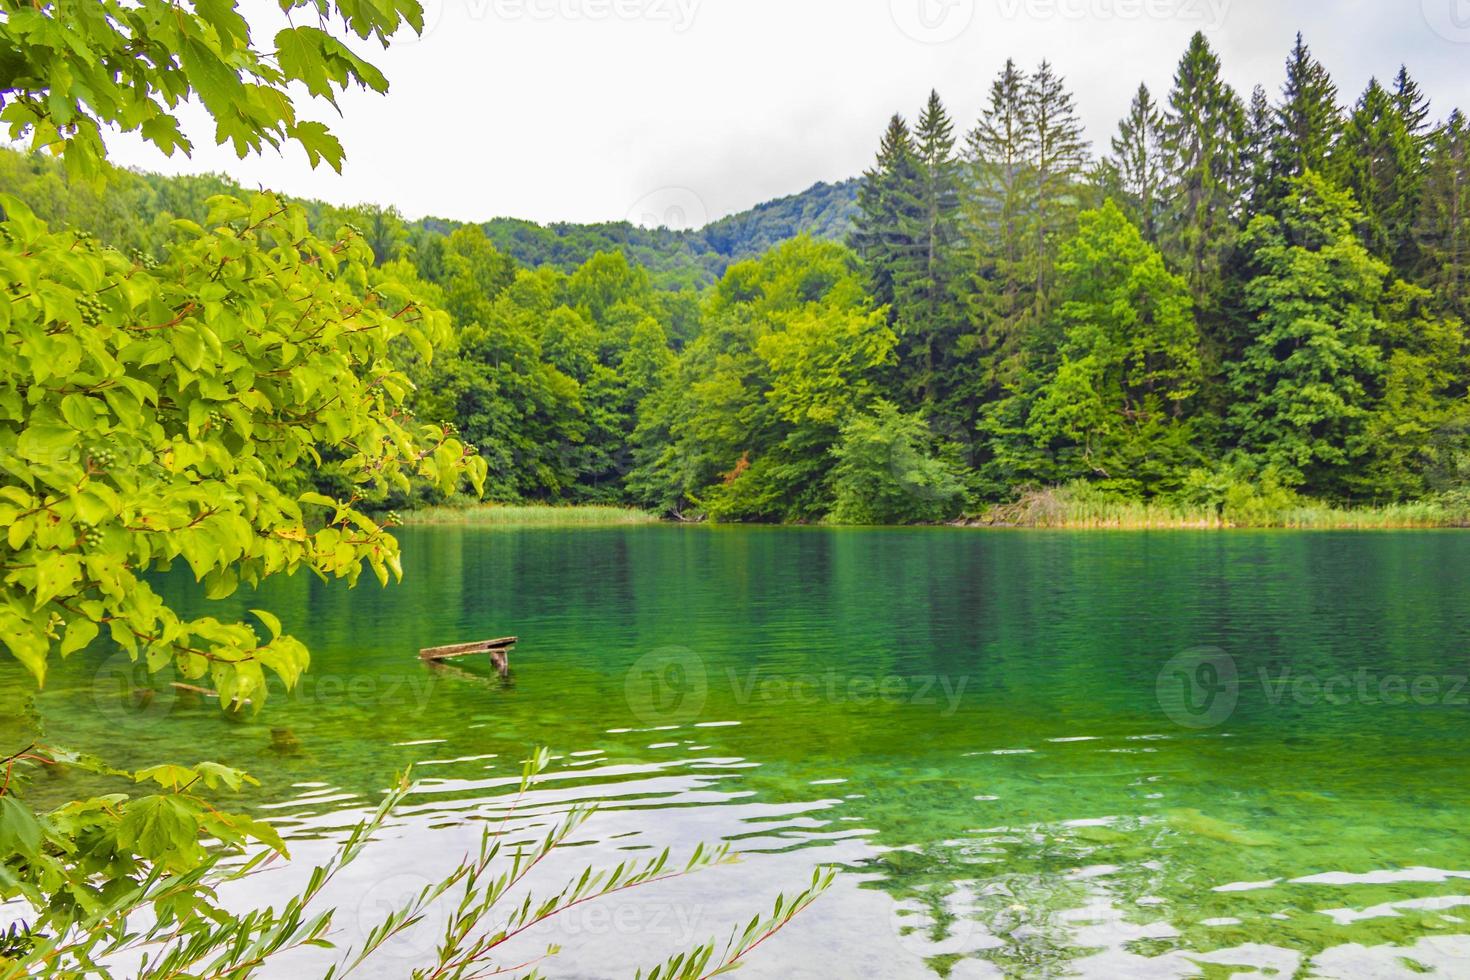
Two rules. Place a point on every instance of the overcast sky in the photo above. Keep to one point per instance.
(686, 110)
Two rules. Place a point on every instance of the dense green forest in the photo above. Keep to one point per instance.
(1243, 298)
(133, 211)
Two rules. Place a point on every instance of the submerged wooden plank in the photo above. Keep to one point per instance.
(468, 649)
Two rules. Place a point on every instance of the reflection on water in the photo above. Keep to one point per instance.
(1031, 754)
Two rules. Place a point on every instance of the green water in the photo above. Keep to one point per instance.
(1031, 754)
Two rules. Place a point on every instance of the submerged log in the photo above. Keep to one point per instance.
(499, 651)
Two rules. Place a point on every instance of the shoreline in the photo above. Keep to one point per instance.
(1123, 517)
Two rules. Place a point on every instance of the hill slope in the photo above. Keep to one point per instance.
(823, 211)
(132, 211)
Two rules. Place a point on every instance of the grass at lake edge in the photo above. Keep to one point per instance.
(1059, 512)
(528, 515)
(1043, 512)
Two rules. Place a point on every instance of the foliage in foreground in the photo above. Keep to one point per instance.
(179, 408)
(484, 902)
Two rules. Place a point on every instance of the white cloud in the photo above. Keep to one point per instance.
(581, 110)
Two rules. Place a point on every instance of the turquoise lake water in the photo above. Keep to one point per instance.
(1029, 754)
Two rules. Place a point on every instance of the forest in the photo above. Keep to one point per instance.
(1238, 301)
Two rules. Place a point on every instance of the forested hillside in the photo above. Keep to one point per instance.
(1234, 301)
(135, 207)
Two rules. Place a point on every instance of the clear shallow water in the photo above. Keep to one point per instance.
(1031, 754)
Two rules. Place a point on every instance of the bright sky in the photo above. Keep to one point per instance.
(682, 111)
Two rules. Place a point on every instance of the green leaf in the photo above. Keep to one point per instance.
(271, 622)
(319, 144)
(55, 574)
(163, 829)
(79, 633)
(20, 831)
(46, 443)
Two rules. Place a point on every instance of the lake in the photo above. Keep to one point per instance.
(1028, 753)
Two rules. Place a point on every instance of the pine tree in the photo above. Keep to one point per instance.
(888, 207)
(927, 316)
(1444, 217)
(1058, 155)
(1133, 175)
(1260, 137)
(998, 196)
(1308, 120)
(1204, 133)
(1379, 162)
(1412, 103)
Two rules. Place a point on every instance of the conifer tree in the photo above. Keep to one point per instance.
(1412, 103)
(1443, 234)
(1204, 132)
(1134, 174)
(1260, 137)
(1308, 119)
(998, 196)
(1058, 155)
(888, 207)
(927, 317)
(1380, 164)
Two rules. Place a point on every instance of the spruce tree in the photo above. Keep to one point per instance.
(1057, 150)
(1308, 119)
(998, 196)
(1260, 136)
(927, 317)
(888, 207)
(1412, 103)
(1443, 234)
(1204, 133)
(1379, 162)
(1134, 173)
